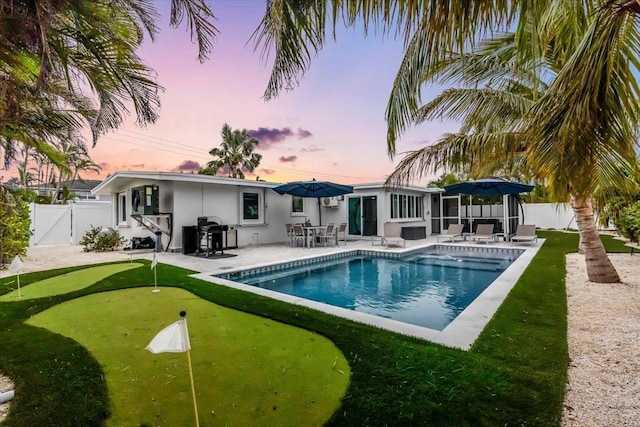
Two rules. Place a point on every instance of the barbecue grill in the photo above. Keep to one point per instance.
(211, 229)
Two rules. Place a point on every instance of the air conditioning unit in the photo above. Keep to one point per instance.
(330, 202)
(145, 200)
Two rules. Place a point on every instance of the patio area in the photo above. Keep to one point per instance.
(50, 257)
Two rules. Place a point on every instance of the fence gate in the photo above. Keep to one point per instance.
(66, 224)
(50, 224)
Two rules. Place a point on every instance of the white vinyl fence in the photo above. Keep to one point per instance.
(557, 216)
(66, 224)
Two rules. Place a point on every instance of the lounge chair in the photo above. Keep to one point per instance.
(484, 233)
(453, 232)
(392, 234)
(525, 233)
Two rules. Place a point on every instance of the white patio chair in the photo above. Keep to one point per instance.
(341, 232)
(326, 235)
(289, 233)
(298, 235)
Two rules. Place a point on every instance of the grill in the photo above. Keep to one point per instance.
(211, 229)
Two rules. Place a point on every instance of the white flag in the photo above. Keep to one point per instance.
(172, 339)
(16, 265)
(154, 262)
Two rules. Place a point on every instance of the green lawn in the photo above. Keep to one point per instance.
(247, 370)
(513, 375)
(66, 283)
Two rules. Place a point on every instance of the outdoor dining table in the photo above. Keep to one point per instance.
(310, 232)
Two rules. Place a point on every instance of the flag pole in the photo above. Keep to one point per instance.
(155, 280)
(154, 266)
(18, 279)
(193, 389)
(183, 314)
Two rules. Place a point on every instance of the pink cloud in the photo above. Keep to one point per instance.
(288, 159)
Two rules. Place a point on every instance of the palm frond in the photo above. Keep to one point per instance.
(457, 152)
(199, 17)
(587, 121)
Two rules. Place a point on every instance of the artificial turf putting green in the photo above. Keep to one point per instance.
(65, 283)
(248, 370)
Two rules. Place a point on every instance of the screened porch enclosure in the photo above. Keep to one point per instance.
(501, 211)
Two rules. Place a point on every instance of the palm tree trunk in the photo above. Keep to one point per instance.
(599, 266)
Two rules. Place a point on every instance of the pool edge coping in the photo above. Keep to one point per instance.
(461, 333)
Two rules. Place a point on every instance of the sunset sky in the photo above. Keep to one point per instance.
(331, 127)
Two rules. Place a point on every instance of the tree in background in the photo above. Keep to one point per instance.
(15, 228)
(234, 155)
(53, 52)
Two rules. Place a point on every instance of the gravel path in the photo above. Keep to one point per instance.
(604, 346)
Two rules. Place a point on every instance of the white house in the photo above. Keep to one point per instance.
(145, 202)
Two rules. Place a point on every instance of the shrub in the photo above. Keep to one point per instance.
(15, 228)
(629, 222)
(100, 239)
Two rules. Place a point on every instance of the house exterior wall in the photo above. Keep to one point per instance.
(383, 208)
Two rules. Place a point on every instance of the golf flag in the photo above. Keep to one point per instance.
(16, 265)
(172, 339)
(154, 262)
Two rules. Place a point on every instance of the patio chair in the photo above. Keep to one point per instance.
(341, 232)
(298, 235)
(289, 233)
(327, 235)
(392, 234)
(453, 232)
(525, 233)
(484, 233)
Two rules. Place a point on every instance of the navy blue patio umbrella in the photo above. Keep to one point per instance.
(488, 187)
(315, 189)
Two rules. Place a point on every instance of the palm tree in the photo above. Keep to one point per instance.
(51, 52)
(578, 133)
(76, 159)
(234, 155)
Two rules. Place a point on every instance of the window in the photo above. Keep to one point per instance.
(252, 207)
(121, 209)
(404, 206)
(297, 205)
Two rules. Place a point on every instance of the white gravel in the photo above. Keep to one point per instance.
(604, 346)
(604, 336)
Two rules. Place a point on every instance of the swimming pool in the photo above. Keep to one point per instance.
(427, 288)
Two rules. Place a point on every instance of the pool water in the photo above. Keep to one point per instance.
(428, 288)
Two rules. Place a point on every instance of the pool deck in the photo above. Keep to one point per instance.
(460, 333)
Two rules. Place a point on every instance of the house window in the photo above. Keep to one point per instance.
(121, 209)
(405, 206)
(252, 207)
(297, 205)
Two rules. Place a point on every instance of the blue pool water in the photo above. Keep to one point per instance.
(428, 288)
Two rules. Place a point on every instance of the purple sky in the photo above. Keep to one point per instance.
(331, 127)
